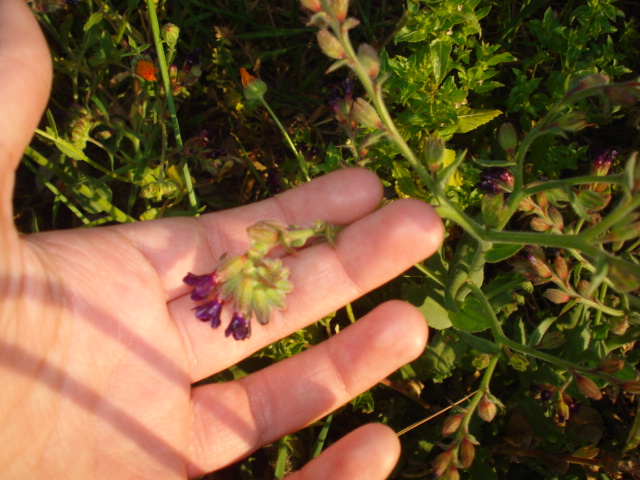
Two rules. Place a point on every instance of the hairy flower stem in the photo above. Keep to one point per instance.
(482, 390)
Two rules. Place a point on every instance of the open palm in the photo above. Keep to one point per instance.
(99, 347)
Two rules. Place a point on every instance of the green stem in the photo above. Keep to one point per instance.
(301, 160)
(166, 82)
(482, 390)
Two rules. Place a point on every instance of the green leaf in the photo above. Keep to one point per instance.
(501, 251)
(471, 317)
(93, 20)
(442, 355)
(469, 119)
(429, 298)
(405, 182)
(439, 54)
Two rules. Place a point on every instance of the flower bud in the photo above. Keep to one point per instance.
(507, 137)
(562, 409)
(619, 325)
(631, 386)
(593, 81)
(583, 288)
(369, 59)
(556, 218)
(365, 114)
(487, 409)
(452, 473)
(314, 5)
(339, 9)
(433, 152)
(572, 121)
(539, 225)
(451, 424)
(231, 267)
(441, 463)
(330, 45)
(494, 209)
(536, 257)
(481, 361)
(254, 89)
(170, 34)
(467, 453)
(556, 295)
(602, 163)
(561, 267)
(552, 340)
(612, 365)
(588, 387)
(518, 362)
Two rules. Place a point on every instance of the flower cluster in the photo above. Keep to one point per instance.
(251, 283)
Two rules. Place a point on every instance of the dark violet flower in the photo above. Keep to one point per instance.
(209, 312)
(496, 180)
(602, 163)
(202, 285)
(240, 327)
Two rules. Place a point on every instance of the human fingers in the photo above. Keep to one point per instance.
(232, 419)
(179, 245)
(25, 83)
(368, 253)
(368, 453)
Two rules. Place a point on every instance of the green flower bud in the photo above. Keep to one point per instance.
(365, 114)
(507, 137)
(369, 59)
(330, 45)
(518, 362)
(170, 34)
(552, 340)
(433, 152)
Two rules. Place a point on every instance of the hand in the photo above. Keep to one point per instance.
(99, 346)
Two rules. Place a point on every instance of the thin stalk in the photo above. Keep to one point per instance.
(166, 82)
(301, 160)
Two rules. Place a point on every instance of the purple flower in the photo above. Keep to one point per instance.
(209, 312)
(240, 327)
(202, 285)
(496, 180)
(602, 163)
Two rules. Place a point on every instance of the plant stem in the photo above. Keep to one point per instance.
(166, 82)
(301, 160)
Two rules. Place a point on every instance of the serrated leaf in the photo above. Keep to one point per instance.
(469, 119)
(502, 251)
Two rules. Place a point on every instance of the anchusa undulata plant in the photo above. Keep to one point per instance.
(575, 240)
(253, 284)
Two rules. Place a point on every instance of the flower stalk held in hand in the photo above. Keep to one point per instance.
(251, 283)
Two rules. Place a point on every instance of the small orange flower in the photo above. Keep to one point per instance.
(245, 77)
(146, 69)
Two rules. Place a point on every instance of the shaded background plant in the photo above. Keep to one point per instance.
(519, 121)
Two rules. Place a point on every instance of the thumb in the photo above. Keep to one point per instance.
(25, 83)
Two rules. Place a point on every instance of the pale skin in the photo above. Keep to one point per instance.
(99, 347)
